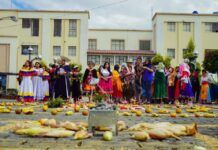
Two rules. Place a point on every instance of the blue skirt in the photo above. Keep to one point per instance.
(187, 91)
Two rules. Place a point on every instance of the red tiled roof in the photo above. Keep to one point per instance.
(126, 52)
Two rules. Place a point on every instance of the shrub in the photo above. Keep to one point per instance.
(210, 62)
(156, 59)
(54, 103)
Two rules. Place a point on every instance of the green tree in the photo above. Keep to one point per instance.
(210, 62)
(167, 62)
(189, 52)
(156, 59)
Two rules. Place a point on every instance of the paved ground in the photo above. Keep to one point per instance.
(207, 136)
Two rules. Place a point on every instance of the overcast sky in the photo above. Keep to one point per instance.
(127, 14)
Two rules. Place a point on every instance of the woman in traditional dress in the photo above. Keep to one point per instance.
(45, 83)
(90, 75)
(195, 84)
(117, 84)
(128, 77)
(105, 84)
(62, 86)
(186, 88)
(171, 85)
(138, 78)
(177, 84)
(75, 88)
(204, 94)
(37, 82)
(26, 87)
(147, 81)
(160, 83)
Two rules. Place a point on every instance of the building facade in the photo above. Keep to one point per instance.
(118, 45)
(55, 33)
(48, 33)
(172, 32)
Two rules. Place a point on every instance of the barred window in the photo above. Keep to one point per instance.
(117, 44)
(25, 49)
(73, 28)
(94, 58)
(71, 50)
(56, 50)
(120, 59)
(187, 27)
(144, 45)
(171, 52)
(171, 26)
(57, 27)
(109, 59)
(92, 44)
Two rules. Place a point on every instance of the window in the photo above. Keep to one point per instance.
(35, 27)
(186, 26)
(211, 27)
(134, 58)
(92, 44)
(73, 28)
(57, 27)
(25, 23)
(56, 50)
(71, 50)
(109, 59)
(171, 52)
(171, 26)
(25, 49)
(144, 45)
(120, 59)
(94, 58)
(117, 45)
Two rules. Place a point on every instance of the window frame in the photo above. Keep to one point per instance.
(94, 58)
(55, 46)
(117, 45)
(145, 44)
(171, 26)
(34, 27)
(187, 26)
(111, 61)
(72, 54)
(72, 28)
(174, 55)
(119, 61)
(26, 23)
(25, 51)
(90, 44)
(57, 33)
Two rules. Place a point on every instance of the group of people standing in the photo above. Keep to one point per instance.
(139, 81)
(33, 82)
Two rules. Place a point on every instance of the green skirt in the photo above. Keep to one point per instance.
(159, 85)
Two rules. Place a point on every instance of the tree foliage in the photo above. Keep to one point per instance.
(211, 61)
(158, 58)
(189, 52)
